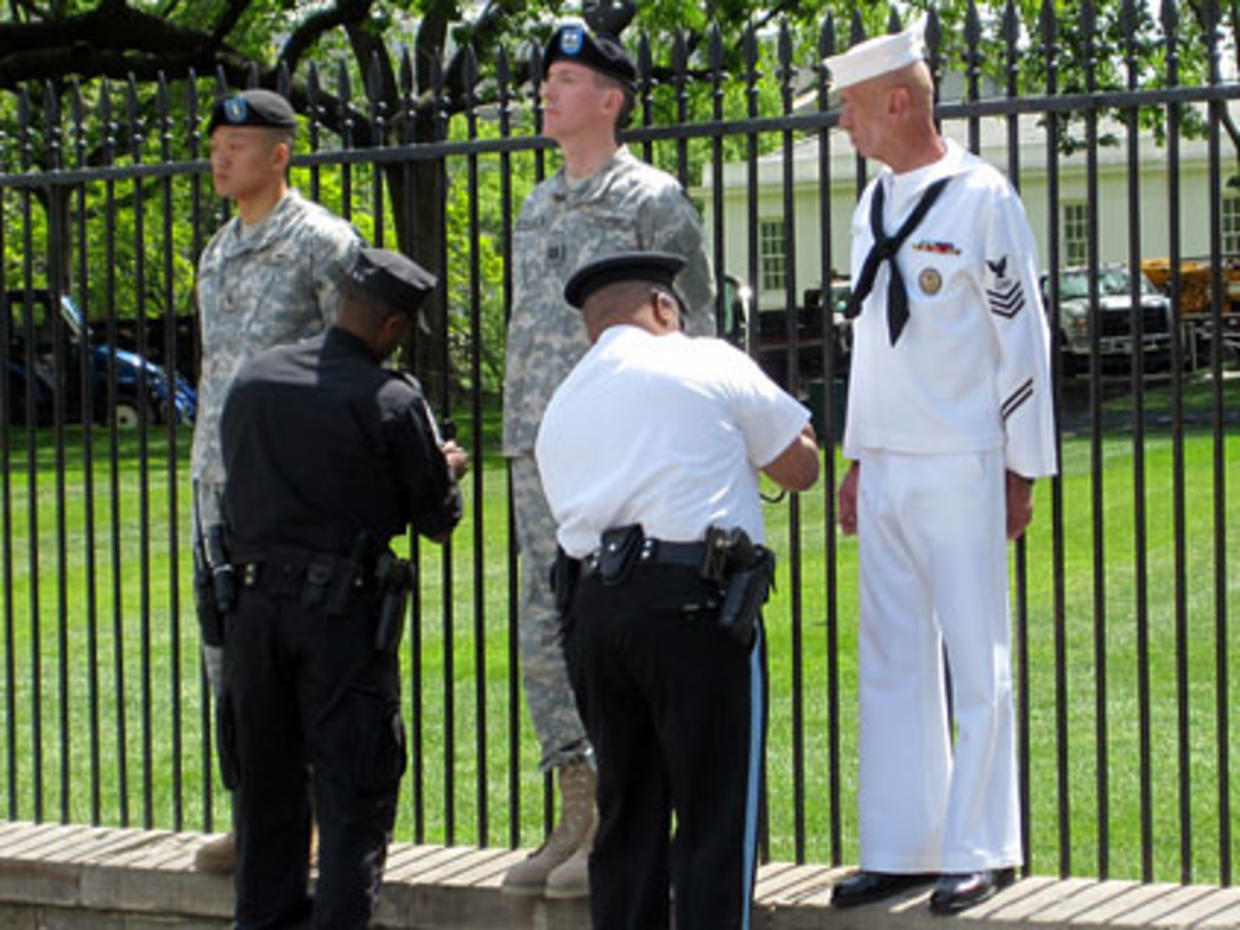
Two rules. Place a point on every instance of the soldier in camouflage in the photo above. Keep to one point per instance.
(601, 201)
(269, 276)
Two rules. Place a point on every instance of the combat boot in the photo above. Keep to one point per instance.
(575, 829)
(218, 857)
(571, 878)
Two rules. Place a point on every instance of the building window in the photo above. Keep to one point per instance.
(1076, 233)
(773, 252)
(1231, 225)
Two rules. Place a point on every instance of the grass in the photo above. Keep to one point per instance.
(130, 637)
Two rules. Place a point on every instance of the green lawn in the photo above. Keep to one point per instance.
(152, 642)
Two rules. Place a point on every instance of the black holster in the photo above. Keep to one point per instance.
(565, 571)
(618, 550)
(346, 576)
(745, 572)
(394, 577)
(215, 587)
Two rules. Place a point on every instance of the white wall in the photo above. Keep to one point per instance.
(1112, 197)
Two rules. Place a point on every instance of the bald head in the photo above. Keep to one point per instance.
(645, 304)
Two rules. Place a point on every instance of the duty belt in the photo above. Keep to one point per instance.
(286, 571)
(744, 571)
(664, 552)
(653, 551)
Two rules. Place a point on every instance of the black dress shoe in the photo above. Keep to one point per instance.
(863, 887)
(956, 891)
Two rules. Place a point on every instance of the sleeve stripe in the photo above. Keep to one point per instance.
(1016, 398)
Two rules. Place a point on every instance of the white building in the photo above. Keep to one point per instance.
(1069, 214)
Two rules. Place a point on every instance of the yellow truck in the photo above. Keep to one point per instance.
(1195, 300)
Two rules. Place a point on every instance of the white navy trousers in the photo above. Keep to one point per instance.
(933, 567)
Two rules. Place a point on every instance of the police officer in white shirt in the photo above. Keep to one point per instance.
(652, 440)
(950, 419)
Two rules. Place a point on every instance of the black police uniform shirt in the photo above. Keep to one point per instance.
(320, 442)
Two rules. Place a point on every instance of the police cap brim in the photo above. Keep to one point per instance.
(658, 268)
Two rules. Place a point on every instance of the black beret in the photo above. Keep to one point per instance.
(398, 281)
(655, 267)
(602, 53)
(253, 108)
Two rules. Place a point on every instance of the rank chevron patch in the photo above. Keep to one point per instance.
(1006, 298)
(1016, 398)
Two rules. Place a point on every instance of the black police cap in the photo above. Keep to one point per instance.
(253, 108)
(656, 267)
(398, 281)
(601, 52)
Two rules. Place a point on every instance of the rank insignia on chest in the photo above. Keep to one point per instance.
(555, 253)
(937, 248)
(930, 281)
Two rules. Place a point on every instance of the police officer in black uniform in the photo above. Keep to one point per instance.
(328, 456)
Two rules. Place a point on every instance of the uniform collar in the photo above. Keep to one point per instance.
(589, 187)
(274, 225)
(340, 339)
(904, 189)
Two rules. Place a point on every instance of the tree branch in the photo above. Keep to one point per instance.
(228, 19)
(367, 47)
(312, 28)
(109, 40)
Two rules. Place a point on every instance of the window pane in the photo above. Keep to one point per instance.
(1076, 233)
(1231, 224)
(773, 255)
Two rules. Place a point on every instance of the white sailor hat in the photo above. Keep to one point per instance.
(877, 56)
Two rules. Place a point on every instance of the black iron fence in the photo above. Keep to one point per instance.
(1125, 590)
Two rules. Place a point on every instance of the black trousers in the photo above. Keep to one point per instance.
(310, 711)
(675, 710)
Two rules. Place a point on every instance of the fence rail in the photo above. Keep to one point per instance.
(1127, 654)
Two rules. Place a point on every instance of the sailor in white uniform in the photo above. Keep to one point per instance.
(950, 419)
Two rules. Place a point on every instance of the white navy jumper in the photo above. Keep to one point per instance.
(936, 417)
(669, 432)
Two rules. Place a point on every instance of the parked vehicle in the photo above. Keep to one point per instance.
(1115, 317)
(765, 335)
(143, 388)
(1196, 311)
(774, 340)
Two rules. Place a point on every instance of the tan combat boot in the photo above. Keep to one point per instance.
(575, 829)
(571, 878)
(218, 857)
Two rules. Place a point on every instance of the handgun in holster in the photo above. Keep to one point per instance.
(745, 572)
(394, 578)
(214, 584)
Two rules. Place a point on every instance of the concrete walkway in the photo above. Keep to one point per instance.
(70, 877)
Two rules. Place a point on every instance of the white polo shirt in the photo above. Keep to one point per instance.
(666, 431)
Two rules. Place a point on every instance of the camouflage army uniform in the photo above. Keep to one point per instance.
(626, 205)
(273, 283)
